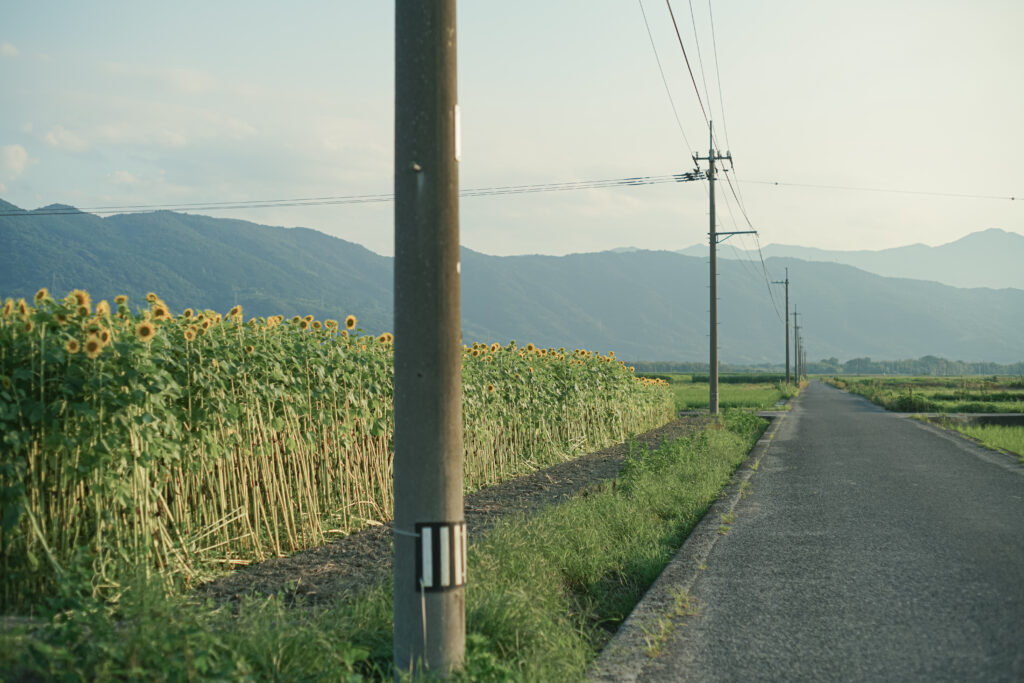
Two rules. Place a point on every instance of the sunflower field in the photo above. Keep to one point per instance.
(178, 444)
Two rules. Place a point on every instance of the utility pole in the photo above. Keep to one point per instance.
(796, 346)
(713, 235)
(786, 282)
(429, 526)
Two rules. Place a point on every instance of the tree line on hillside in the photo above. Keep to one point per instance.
(926, 366)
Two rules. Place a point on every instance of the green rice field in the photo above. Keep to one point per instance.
(751, 392)
(939, 394)
(997, 436)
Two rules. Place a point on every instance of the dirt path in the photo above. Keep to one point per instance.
(345, 565)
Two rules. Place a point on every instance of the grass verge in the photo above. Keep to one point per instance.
(546, 593)
(996, 436)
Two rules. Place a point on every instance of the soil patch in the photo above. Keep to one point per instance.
(348, 564)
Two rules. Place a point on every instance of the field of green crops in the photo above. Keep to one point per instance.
(752, 392)
(939, 394)
(178, 444)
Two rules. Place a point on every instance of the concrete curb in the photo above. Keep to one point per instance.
(625, 656)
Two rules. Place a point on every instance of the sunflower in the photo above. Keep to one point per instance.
(383, 338)
(93, 346)
(317, 325)
(160, 312)
(350, 322)
(344, 334)
(22, 307)
(303, 324)
(308, 318)
(80, 296)
(491, 388)
(8, 307)
(103, 308)
(475, 353)
(83, 311)
(331, 324)
(145, 331)
(236, 311)
(530, 347)
(60, 318)
(152, 298)
(495, 346)
(190, 334)
(120, 299)
(105, 336)
(42, 294)
(72, 346)
(187, 313)
(250, 348)
(295, 320)
(29, 326)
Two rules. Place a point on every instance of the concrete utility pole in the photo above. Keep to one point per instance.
(796, 347)
(786, 282)
(711, 158)
(429, 527)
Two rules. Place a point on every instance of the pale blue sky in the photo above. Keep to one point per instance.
(146, 103)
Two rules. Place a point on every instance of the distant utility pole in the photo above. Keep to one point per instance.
(429, 524)
(796, 346)
(713, 235)
(786, 282)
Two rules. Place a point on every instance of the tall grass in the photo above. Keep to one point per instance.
(177, 444)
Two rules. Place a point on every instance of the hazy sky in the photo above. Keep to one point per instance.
(116, 103)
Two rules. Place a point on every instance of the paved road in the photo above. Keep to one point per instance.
(871, 548)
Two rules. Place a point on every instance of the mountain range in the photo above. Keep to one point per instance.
(989, 258)
(644, 305)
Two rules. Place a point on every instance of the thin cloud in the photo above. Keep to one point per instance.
(62, 138)
(13, 160)
(8, 50)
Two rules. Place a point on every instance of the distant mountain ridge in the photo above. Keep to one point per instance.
(988, 258)
(644, 305)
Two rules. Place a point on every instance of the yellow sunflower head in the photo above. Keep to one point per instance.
(187, 313)
(22, 307)
(235, 312)
(72, 346)
(308, 318)
(190, 334)
(120, 299)
(530, 347)
(105, 336)
(145, 331)
(41, 295)
(160, 312)
(303, 324)
(93, 346)
(61, 319)
(295, 320)
(152, 298)
(80, 297)
(8, 307)
(29, 326)
(83, 311)
(250, 348)
(103, 308)
(495, 346)
(317, 325)
(331, 324)
(491, 388)
(350, 322)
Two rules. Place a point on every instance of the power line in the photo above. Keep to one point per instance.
(668, 91)
(367, 198)
(700, 59)
(687, 59)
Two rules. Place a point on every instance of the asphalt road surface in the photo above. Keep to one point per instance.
(870, 548)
